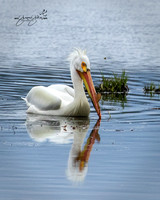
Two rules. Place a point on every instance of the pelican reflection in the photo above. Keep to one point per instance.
(61, 130)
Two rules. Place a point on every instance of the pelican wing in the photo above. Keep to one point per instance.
(53, 97)
(43, 99)
(64, 89)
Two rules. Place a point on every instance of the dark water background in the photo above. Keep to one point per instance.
(35, 152)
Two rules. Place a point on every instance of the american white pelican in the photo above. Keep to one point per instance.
(63, 100)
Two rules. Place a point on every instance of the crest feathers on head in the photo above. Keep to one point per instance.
(76, 52)
(80, 51)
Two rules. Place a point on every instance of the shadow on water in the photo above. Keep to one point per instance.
(120, 98)
(61, 130)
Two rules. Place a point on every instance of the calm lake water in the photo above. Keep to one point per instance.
(69, 158)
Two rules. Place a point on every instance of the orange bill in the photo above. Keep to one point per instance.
(87, 79)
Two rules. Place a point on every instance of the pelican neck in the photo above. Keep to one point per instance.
(77, 85)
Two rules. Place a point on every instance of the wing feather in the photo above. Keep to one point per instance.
(65, 89)
(43, 98)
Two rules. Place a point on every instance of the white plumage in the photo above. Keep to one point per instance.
(63, 100)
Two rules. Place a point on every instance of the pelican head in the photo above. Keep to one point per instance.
(80, 70)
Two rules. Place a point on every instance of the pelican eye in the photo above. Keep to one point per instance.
(84, 66)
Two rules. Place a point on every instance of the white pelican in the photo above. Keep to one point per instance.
(63, 100)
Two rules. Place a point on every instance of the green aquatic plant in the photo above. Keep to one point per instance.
(117, 84)
(151, 89)
(114, 89)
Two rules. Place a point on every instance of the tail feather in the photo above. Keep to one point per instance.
(25, 101)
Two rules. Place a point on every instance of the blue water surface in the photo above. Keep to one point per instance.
(40, 156)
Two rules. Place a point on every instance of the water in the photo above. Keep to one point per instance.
(40, 155)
